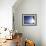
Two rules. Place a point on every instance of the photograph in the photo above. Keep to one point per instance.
(29, 19)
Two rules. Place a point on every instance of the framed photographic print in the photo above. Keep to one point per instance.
(29, 19)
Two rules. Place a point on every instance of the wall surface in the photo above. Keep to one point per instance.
(43, 22)
(6, 13)
(28, 7)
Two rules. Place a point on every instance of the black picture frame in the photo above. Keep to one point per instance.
(29, 19)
